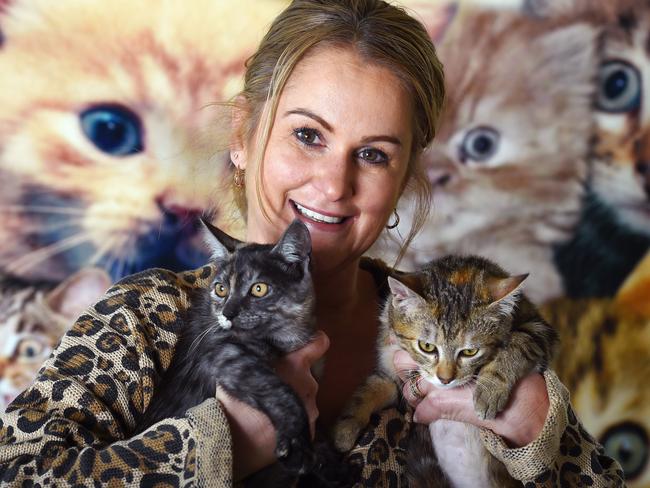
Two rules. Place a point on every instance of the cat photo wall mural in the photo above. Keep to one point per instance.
(111, 140)
(112, 145)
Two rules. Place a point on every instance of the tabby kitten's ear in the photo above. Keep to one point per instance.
(403, 296)
(220, 244)
(502, 291)
(295, 243)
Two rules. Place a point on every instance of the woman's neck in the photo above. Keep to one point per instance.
(337, 291)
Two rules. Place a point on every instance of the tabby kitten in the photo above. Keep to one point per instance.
(258, 307)
(508, 165)
(109, 137)
(604, 362)
(32, 321)
(464, 319)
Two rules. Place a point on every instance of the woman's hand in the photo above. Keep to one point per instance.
(252, 432)
(518, 424)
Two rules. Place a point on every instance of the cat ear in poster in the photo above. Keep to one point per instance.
(220, 244)
(78, 292)
(295, 243)
(634, 294)
(436, 17)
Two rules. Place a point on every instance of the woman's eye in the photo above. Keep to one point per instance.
(221, 290)
(469, 352)
(259, 289)
(427, 347)
(309, 137)
(373, 156)
(113, 129)
(619, 87)
(479, 144)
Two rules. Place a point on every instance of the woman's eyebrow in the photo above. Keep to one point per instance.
(386, 138)
(311, 115)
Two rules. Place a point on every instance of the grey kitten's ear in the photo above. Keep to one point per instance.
(295, 243)
(221, 245)
(402, 294)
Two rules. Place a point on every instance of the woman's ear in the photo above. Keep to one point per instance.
(239, 119)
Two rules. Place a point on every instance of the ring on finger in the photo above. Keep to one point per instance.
(414, 388)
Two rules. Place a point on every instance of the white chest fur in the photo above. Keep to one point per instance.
(460, 453)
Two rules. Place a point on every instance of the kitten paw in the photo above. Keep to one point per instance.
(295, 454)
(489, 400)
(346, 432)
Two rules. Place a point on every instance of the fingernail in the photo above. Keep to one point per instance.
(416, 417)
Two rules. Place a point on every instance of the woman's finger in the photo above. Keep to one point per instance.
(316, 349)
(404, 365)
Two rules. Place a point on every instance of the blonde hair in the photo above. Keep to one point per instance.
(380, 33)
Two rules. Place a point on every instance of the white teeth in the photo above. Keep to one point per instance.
(316, 216)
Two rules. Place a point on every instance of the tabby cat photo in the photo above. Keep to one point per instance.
(32, 321)
(507, 167)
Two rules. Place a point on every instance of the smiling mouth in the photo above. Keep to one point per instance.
(317, 217)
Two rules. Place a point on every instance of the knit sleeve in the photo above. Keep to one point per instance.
(563, 454)
(75, 424)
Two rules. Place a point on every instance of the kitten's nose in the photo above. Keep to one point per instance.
(230, 310)
(444, 380)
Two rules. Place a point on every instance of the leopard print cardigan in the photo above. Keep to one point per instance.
(74, 425)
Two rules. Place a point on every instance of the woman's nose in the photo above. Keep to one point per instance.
(335, 178)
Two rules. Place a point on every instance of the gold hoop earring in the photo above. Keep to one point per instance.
(239, 178)
(396, 223)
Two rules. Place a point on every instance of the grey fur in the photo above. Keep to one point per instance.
(232, 340)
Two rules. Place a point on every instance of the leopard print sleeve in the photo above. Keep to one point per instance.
(74, 425)
(564, 454)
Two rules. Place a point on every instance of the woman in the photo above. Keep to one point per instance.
(339, 101)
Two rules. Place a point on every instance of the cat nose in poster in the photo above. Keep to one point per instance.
(439, 177)
(177, 216)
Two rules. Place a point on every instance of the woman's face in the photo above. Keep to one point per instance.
(336, 158)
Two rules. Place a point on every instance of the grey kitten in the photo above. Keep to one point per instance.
(258, 307)
(462, 319)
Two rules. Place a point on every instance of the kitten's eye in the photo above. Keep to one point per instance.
(113, 129)
(619, 87)
(309, 137)
(628, 444)
(427, 347)
(221, 290)
(29, 348)
(469, 352)
(479, 144)
(259, 289)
